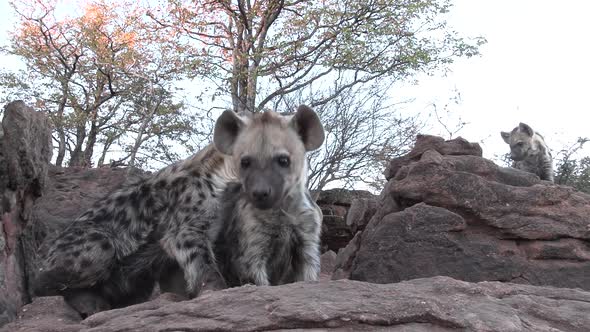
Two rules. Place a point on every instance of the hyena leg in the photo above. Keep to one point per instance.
(547, 170)
(192, 250)
(308, 263)
(259, 274)
(254, 264)
(132, 281)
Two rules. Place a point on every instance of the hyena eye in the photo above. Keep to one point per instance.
(245, 162)
(520, 144)
(283, 161)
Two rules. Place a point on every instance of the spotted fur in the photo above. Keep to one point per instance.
(529, 151)
(146, 231)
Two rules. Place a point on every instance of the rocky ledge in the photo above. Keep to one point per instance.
(429, 304)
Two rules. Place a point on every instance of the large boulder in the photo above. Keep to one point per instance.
(465, 217)
(25, 151)
(431, 304)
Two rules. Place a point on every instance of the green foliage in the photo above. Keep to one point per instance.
(571, 171)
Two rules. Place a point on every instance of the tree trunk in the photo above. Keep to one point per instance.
(90, 142)
(139, 139)
(61, 147)
(77, 155)
(59, 126)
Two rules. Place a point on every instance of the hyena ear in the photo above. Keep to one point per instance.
(505, 136)
(227, 128)
(307, 124)
(525, 128)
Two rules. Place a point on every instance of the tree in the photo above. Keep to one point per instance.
(261, 51)
(363, 132)
(571, 171)
(113, 71)
(85, 70)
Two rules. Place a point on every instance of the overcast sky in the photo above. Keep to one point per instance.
(534, 69)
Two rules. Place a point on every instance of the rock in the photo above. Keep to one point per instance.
(345, 258)
(430, 304)
(360, 212)
(341, 197)
(428, 241)
(463, 216)
(335, 205)
(46, 314)
(335, 234)
(25, 151)
(538, 212)
(53, 314)
(456, 146)
(26, 147)
(328, 262)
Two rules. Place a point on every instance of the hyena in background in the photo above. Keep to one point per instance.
(529, 151)
(112, 255)
(271, 225)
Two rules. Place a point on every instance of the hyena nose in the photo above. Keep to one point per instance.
(261, 194)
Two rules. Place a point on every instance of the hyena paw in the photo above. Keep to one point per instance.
(211, 281)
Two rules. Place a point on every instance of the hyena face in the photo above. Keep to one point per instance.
(520, 141)
(268, 150)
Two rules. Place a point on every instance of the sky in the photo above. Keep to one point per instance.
(534, 69)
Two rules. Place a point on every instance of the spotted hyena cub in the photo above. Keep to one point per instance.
(271, 229)
(114, 253)
(529, 151)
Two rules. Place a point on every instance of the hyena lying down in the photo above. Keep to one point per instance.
(112, 255)
(529, 151)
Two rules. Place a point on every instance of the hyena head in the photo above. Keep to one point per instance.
(520, 140)
(268, 150)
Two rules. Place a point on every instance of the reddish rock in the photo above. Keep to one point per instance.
(343, 197)
(335, 205)
(328, 262)
(420, 305)
(25, 151)
(537, 212)
(456, 146)
(360, 212)
(46, 314)
(465, 217)
(345, 258)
